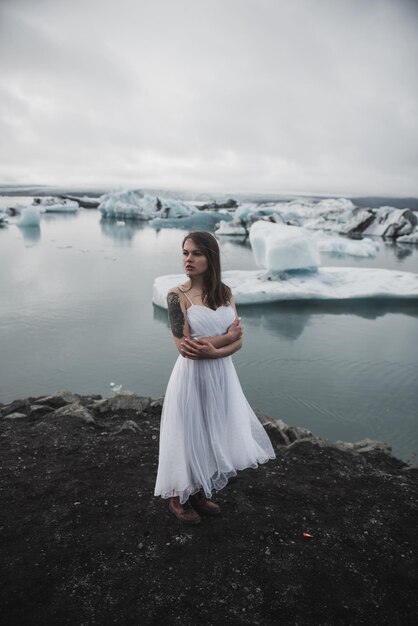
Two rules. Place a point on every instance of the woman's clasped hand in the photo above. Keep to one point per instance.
(198, 349)
(201, 348)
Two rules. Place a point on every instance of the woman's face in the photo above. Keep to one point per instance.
(194, 261)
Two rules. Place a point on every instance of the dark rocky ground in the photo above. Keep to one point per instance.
(84, 541)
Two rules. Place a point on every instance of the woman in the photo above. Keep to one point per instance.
(208, 429)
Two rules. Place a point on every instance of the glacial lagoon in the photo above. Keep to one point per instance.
(76, 312)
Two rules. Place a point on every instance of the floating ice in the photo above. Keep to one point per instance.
(328, 283)
(343, 245)
(390, 222)
(200, 219)
(55, 205)
(231, 228)
(278, 247)
(357, 221)
(244, 210)
(337, 215)
(133, 205)
(30, 216)
(115, 388)
(412, 238)
(127, 205)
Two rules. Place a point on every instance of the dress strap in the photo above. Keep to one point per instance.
(185, 294)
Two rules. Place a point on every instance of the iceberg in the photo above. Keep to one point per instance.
(198, 220)
(289, 256)
(252, 212)
(338, 215)
(30, 216)
(137, 206)
(231, 229)
(278, 247)
(55, 205)
(344, 246)
(327, 283)
(391, 222)
(127, 205)
(412, 238)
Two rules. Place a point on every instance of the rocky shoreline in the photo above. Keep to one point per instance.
(324, 534)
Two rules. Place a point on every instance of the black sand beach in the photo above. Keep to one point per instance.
(324, 534)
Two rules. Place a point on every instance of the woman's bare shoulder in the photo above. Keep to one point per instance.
(178, 289)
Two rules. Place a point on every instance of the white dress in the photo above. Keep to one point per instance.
(208, 429)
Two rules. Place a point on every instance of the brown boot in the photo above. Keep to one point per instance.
(183, 512)
(204, 506)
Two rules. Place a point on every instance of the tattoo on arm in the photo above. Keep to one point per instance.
(175, 315)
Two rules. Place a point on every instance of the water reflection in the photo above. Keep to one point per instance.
(289, 319)
(402, 250)
(285, 322)
(31, 234)
(120, 231)
(160, 315)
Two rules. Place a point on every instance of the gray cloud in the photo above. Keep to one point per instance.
(251, 95)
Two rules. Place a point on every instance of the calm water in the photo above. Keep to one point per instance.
(76, 313)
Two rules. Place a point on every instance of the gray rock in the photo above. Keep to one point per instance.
(14, 416)
(59, 399)
(368, 445)
(75, 409)
(291, 436)
(365, 445)
(21, 406)
(123, 402)
(282, 433)
(128, 425)
(39, 409)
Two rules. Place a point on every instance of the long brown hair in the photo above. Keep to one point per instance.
(215, 293)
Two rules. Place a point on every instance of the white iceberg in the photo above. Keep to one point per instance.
(127, 205)
(243, 212)
(412, 238)
(251, 212)
(357, 222)
(303, 211)
(55, 205)
(277, 247)
(338, 215)
(328, 283)
(198, 220)
(231, 229)
(133, 205)
(391, 222)
(343, 245)
(29, 216)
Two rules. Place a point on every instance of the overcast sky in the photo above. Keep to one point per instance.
(302, 96)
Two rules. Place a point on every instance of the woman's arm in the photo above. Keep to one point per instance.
(177, 318)
(233, 333)
(202, 349)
